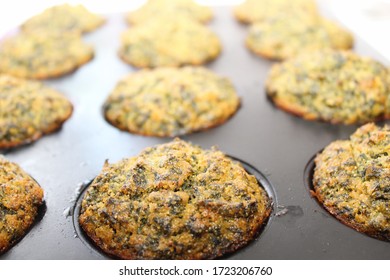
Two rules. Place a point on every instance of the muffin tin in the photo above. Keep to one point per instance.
(262, 180)
(275, 143)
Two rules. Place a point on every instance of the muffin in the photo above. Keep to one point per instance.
(43, 55)
(156, 8)
(167, 41)
(28, 110)
(252, 11)
(168, 102)
(281, 38)
(64, 18)
(20, 197)
(174, 201)
(351, 180)
(333, 86)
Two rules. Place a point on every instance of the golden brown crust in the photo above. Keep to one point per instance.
(300, 112)
(168, 102)
(43, 55)
(186, 203)
(169, 42)
(280, 38)
(20, 197)
(53, 128)
(133, 131)
(293, 109)
(346, 220)
(351, 180)
(29, 110)
(219, 252)
(56, 73)
(338, 87)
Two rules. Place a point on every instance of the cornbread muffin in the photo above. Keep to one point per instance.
(281, 38)
(169, 42)
(332, 86)
(156, 8)
(252, 11)
(43, 55)
(20, 197)
(351, 179)
(170, 102)
(28, 110)
(64, 18)
(174, 201)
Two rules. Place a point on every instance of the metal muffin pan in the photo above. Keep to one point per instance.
(274, 142)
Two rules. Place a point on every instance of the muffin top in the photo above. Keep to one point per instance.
(20, 197)
(280, 38)
(28, 109)
(64, 18)
(333, 86)
(43, 55)
(167, 41)
(352, 177)
(174, 201)
(169, 102)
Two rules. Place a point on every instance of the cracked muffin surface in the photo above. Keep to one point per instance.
(352, 177)
(20, 197)
(168, 102)
(174, 201)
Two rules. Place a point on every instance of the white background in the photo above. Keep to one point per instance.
(109, 270)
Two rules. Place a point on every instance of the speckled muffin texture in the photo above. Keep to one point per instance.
(352, 178)
(156, 8)
(332, 86)
(64, 18)
(252, 11)
(280, 38)
(43, 55)
(169, 41)
(174, 201)
(28, 110)
(20, 197)
(168, 102)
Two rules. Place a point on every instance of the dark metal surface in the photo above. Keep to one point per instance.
(276, 143)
